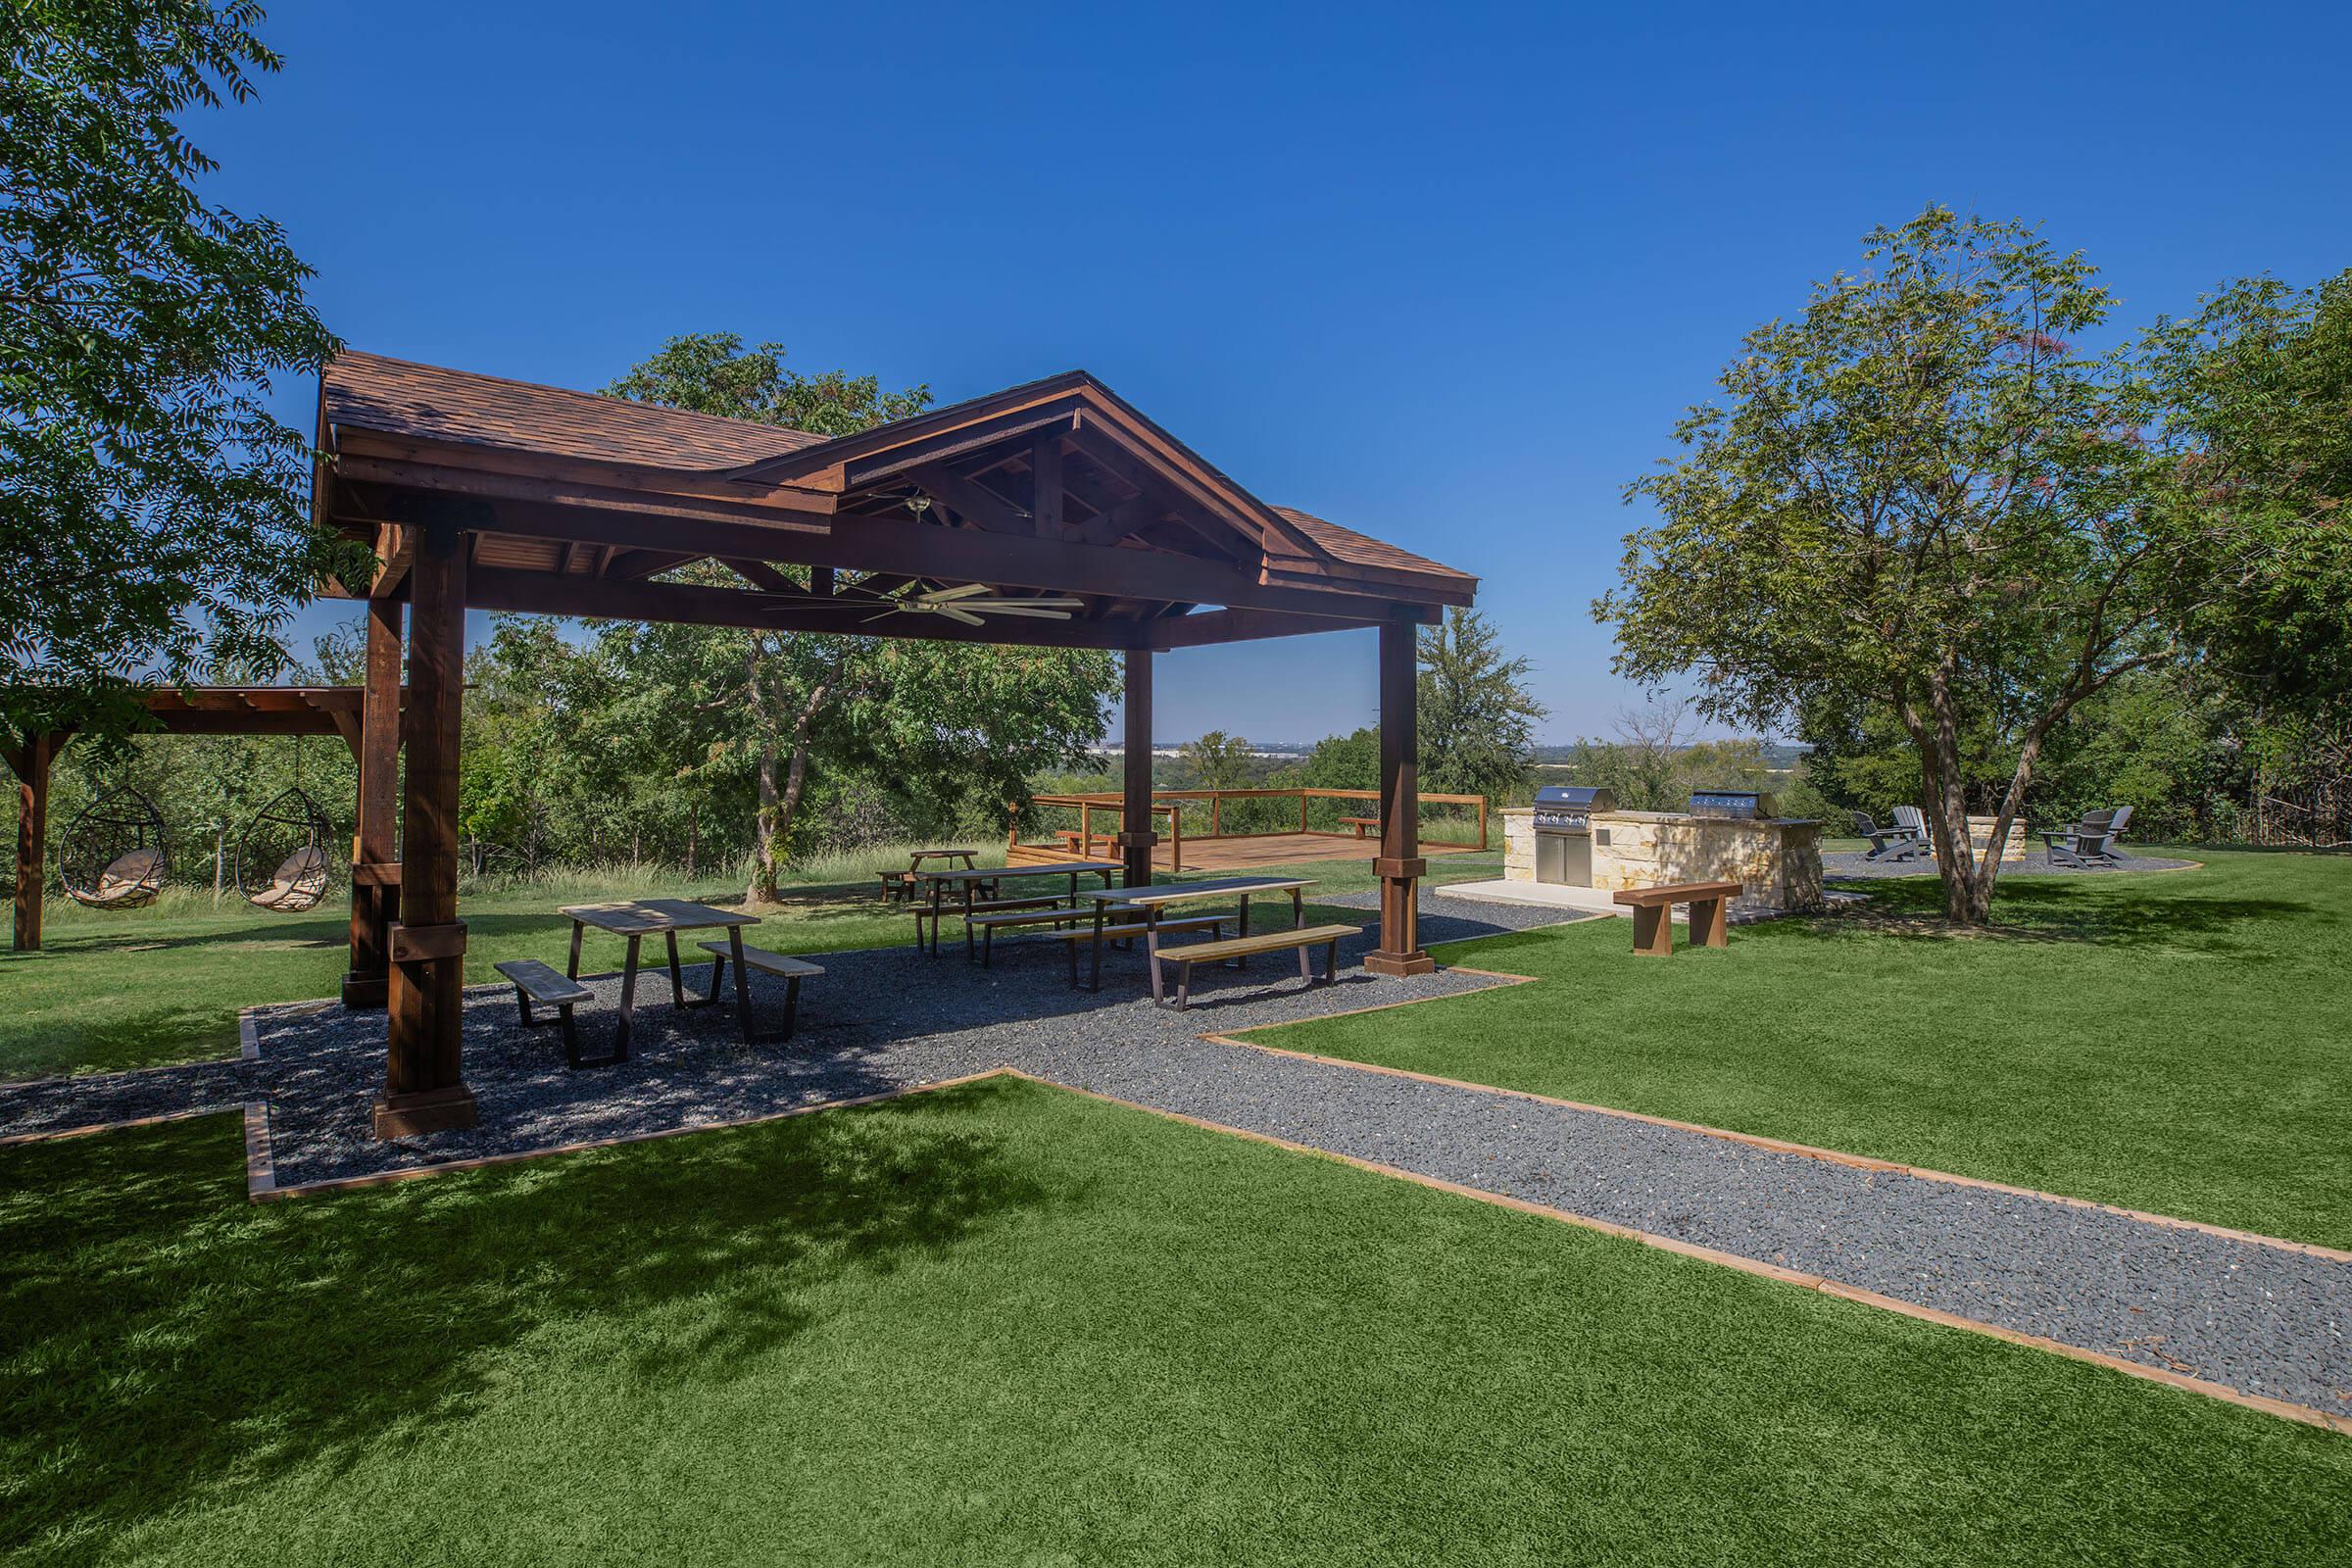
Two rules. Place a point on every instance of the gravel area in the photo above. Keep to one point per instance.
(2035, 864)
(2259, 1318)
(1445, 919)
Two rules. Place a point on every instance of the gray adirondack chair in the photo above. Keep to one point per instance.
(2090, 842)
(1887, 843)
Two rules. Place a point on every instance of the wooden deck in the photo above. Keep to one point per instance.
(1252, 851)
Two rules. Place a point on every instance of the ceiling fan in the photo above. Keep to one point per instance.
(974, 599)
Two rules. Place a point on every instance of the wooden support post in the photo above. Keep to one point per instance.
(30, 762)
(425, 1085)
(1400, 866)
(374, 844)
(1045, 487)
(1136, 837)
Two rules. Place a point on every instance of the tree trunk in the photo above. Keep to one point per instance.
(692, 821)
(220, 858)
(764, 822)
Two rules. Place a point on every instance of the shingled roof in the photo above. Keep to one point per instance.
(404, 399)
(398, 397)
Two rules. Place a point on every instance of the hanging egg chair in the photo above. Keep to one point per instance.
(112, 856)
(284, 859)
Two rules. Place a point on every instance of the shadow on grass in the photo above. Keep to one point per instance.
(2173, 915)
(164, 1340)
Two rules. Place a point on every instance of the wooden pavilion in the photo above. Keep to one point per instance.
(477, 491)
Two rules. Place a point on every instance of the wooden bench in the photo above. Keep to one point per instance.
(1360, 823)
(551, 987)
(1653, 914)
(1326, 937)
(1213, 924)
(924, 911)
(988, 924)
(792, 971)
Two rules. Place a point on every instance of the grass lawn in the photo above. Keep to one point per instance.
(2178, 1043)
(1005, 1324)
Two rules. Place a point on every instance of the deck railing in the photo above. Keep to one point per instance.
(1100, 815)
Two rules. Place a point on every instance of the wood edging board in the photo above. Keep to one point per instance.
(2285, 1410)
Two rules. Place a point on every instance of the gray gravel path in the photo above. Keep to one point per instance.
(2035, 864)
(2262, 1319)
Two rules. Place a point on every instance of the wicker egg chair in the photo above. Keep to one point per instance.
(114, 855)
(285, 859)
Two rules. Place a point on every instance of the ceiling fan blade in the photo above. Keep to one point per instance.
(941, 596)
(1022, 609)
(1031, 604)
(958, 613)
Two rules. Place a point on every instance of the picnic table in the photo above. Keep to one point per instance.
(635, 919)
(1149, 905)
(897, 885)
(965, 878)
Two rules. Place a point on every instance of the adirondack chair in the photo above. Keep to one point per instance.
(2088, 844)
(1913, 820)
(1887, 843)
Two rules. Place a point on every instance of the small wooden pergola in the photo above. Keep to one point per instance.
(199, 711)
(502, 495)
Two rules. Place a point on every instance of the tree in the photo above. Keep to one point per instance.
(1922, 493)
(958, 723)
(152, 515)
(1220, 761)
(1477, 717)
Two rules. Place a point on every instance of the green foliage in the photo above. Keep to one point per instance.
(152, 515)
(1922, 498)
(712, 373)
(1221, 761)
(1349, 762)
(2262, 377)
(1476, 716)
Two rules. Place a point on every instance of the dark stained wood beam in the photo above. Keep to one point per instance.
(395, 548)
(544, 593)
(917, 550)
(1241, 626)
(1045, 484)
(950, 444)
(630, 565)
(760, 575)
(975, 501)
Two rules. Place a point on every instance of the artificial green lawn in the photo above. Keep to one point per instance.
(2179, 1043)
(1000, 1324)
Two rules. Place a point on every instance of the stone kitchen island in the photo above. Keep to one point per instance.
(1777, 859)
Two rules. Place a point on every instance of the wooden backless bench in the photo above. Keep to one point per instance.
(1653, 914)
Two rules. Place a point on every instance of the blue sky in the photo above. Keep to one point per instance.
(1445, 275)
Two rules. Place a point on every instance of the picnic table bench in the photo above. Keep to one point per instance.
(1237, 948)
(1360, 823)
(544, 984)
(790, 969)
(1151, 903)
(1653, 914)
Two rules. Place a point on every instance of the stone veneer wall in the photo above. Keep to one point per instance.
(1779, 862)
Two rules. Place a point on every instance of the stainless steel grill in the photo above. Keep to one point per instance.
(1563, 824)
(1744, 804)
